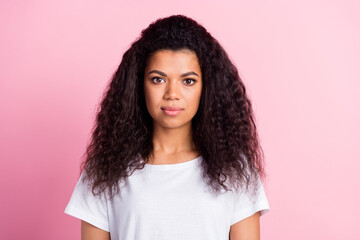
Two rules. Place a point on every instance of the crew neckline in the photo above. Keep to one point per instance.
(172, 166)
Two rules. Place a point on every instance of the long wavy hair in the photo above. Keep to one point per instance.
(224, 130)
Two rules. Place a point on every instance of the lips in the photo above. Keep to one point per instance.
(172, 110)
(169, 108)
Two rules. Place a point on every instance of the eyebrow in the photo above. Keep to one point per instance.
(182, 75)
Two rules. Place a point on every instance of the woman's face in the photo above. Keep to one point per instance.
(172, 87)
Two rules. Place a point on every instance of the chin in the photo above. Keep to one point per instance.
(171, 123)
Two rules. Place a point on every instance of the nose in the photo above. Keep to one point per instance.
(172, 90)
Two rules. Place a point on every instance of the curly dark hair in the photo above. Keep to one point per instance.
(224, 130)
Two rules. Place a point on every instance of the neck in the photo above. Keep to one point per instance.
(173, 140)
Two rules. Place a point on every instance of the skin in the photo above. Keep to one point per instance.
(246, 229)
(164, 85)
(90, 232)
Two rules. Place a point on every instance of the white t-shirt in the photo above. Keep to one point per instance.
(162, 202)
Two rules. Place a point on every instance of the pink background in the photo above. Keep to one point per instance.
(300, 61)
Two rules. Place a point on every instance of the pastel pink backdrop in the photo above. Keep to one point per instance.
(299, 60)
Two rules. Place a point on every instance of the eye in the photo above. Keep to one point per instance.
(154, 79)
(190, 79)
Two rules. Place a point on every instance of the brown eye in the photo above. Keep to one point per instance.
(188, 80)
(154, 79)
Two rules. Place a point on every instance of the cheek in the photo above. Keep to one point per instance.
(151, 97)
(193, 100)
(196, 96)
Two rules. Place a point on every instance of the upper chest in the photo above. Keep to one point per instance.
(171, 193)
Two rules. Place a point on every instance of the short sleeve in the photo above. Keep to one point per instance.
(85, 206)
(246, 205)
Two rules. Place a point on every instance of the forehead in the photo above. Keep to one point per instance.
(168, 58)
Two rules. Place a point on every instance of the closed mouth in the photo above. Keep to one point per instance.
(169, 108)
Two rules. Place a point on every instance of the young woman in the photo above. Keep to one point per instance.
(175, 151)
